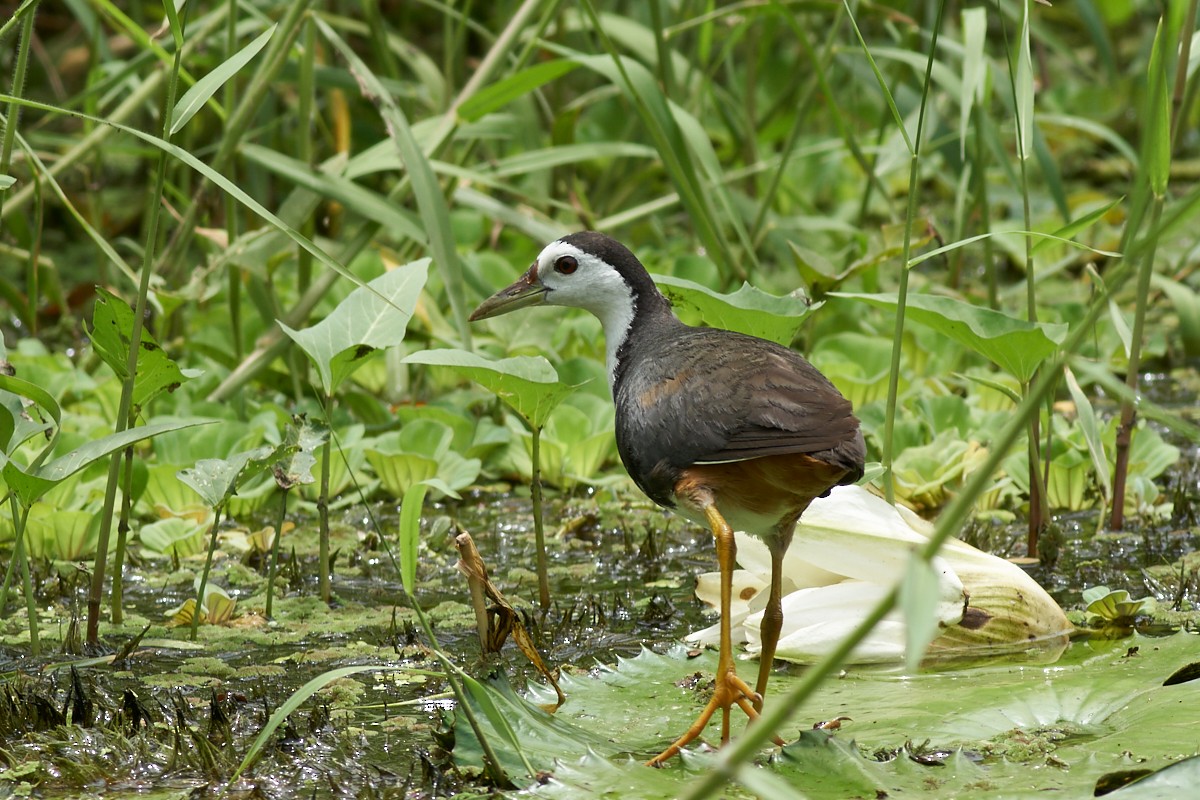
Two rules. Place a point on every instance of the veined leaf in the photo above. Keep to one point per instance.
(112, 326)
(371, 318)
(749, 310)
(527, 383)
(216, 479)
(1016, 346)
(29, 486)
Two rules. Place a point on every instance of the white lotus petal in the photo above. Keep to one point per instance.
(848, 551)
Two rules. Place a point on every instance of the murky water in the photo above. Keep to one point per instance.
(172, 723)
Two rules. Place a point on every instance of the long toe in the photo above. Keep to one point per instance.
(730, 691)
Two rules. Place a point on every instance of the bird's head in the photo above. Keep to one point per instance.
(584, 270)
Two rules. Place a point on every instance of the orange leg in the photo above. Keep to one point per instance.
(772, 622)
(730, 689)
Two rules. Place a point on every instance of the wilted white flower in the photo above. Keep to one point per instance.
(848, 552)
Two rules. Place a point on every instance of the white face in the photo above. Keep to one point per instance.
(581, 280)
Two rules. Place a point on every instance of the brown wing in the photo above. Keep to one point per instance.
(741, 398)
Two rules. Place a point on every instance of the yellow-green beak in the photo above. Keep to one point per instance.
(527, 291)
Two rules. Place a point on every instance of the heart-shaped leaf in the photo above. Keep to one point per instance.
(371, 318)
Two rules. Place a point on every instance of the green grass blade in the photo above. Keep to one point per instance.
(208, 172)
(203, 90)
(897, 117)
(519, 84)
(974, 70)
(1023, 87)
(1066, 232)
(1157, 153)
(1086, 415)
(295, 701)
(431, 202)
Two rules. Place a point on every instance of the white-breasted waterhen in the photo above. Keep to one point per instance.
(728, 430)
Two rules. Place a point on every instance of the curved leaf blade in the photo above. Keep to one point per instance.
(202, 91)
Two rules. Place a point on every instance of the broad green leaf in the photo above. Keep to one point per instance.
(1017, 346)
(216, 479)
(61, 533)
(482, 696)
(7, 182)
(504, 91)
(195, 98)
(1112, 604)
(112, 325)
(426, 436)
(371, 318)
(173, 536)
(749, 310)
(529, 384)
(410, 534)
(1171, 782)
(296, 456)
(399, 472)
(1015, 711)
(20, 425)
(29, 487)
(10, 411)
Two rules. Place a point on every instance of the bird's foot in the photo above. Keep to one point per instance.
(730, 690)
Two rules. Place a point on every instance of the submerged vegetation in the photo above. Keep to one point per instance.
(244, 421)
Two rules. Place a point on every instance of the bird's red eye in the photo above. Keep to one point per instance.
(566, 265)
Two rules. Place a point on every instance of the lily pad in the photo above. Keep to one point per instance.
(1084, 716)
(1112, 604)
